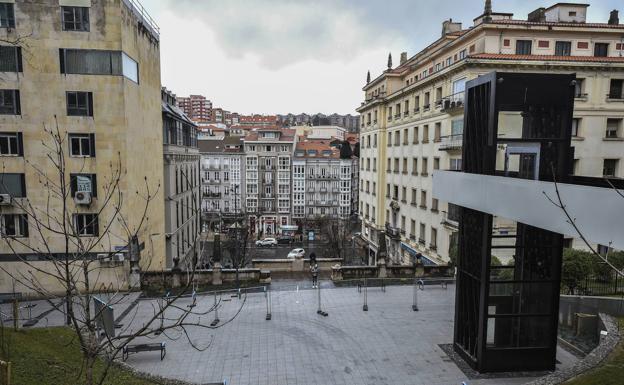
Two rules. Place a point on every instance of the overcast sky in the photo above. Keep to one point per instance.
(279, 56)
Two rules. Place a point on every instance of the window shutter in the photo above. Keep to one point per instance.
(24, 224)
(20, 144)
(90, 101)
(18, 108)
(73, 185)
(92, 144)
(62, 60)
(94, 185)
(23, 185)
(18, 55)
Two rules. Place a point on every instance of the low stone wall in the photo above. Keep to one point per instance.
(570, 304)
(356, 272)
(593, 359)
(103, 277)
(294, 264)
(158, 280)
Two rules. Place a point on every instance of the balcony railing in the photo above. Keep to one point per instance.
(450, 218)
(453, 101)
(393, 232)
(451, 142)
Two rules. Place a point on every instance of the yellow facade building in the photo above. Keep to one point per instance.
(412, 116)
(93, 68)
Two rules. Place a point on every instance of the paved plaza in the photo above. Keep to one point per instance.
(388, 344)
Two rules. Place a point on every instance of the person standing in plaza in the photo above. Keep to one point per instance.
(314, 270)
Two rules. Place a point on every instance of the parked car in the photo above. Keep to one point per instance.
(266, 242)
(296, 253)
(285, 240)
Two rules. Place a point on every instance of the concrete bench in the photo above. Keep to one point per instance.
(137, 348)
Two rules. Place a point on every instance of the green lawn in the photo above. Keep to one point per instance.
(609, 373)
(52, 356)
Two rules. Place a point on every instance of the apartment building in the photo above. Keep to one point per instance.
(349, 122)
(87, 66)
(222, 178)
(268, 162)
(196, 107)
(412, 116)
(181, 183)
(257, 120)
(322, 180)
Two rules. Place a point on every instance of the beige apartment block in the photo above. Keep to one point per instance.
(94, 66)
(412, 116)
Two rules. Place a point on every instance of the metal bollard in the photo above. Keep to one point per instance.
(267, 295)
(414, 298)
(365, 307)
(215, 321)
(320, 311)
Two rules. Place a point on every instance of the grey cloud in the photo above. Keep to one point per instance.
(283, 32)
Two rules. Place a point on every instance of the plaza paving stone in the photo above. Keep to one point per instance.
(388, 344)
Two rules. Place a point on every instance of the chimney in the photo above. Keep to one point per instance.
(614, 18)
(537, 16)
(448, 26)
(487, 11)
(403, 58)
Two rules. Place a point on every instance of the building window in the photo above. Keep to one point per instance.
(10, 59)
(601, 49)
(576, 124)
(98, 62)
(523, 47)
(75, 18)
(86, 225)
(436, 163)
(425, 134)
(609, 167)
(79, 103)
(437, 133)
(415, 136)
(563, 48)
(423, 199)
(613, 128)
(413, 202)
(11, 144)
(13, 184)
(424, 167)
(433, 245)
(434, 205)
(82, 145)
(414, 166)
(615, 89)
(14, 225)
(10, 102)
(462, 54)
(578, 88)
(455, 164)
(83, 183)
(7, 15)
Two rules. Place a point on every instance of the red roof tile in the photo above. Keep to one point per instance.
(589, 59)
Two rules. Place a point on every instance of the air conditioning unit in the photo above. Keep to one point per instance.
(5, 199)
(118, 257)
(103, 257)
(82, 198)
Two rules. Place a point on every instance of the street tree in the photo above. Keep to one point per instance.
(78, 269)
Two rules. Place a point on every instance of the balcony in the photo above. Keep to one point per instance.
(416, 110)
(451, 142)
(450, 218)
(421, 241)
(393, 232)
(397, 115)
(211, 195)
(453, 103)
(426, 107)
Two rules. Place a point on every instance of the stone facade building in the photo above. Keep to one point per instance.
(323, 181)
(412, 116)
(181, 183)
(89, 75)
(268, 161)
(222, 178)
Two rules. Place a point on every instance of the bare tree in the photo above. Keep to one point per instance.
(337, 232)
(78, 268)
(558, 201)
(237, 244)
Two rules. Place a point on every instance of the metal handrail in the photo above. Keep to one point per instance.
(136, 6)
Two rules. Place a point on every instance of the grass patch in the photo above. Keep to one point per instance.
(611, 372)
(52, 356)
